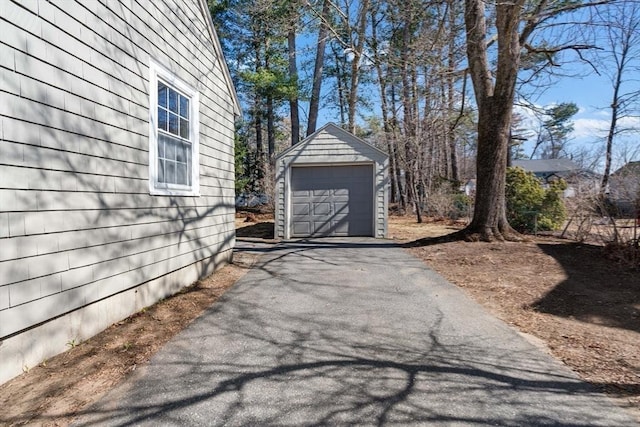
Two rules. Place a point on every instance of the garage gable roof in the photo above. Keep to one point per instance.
(339, 134)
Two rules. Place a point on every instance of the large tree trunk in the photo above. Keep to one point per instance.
(489, 219)
(495, 106)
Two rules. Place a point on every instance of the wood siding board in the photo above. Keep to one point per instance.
(4, 226)
(4, 297)
(13, 271)
(10, 82)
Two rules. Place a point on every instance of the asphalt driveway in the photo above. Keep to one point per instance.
(351, 332)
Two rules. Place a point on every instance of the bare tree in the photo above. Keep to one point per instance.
(621, 61)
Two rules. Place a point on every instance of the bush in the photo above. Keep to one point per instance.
(445, 203)
(530, 207)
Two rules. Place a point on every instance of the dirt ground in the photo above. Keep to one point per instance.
(579, 304)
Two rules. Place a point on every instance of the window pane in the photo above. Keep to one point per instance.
(170, 148)
(181, 174)
(170, 172)
(162, 94)
(184, 128)
(184, 107)
(163, 123)
(173, 101)
(173, 124)
(189, 165)
(181, 152)
(161, 144)
(161, 177)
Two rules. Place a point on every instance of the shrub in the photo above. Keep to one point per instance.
(445, 203)
(529, 206)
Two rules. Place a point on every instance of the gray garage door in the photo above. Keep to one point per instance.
(332, 201)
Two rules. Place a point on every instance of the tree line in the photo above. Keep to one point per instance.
(432, 82)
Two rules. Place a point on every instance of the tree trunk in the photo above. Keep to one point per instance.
(358, 48)
(340, 88)
(271, 131)
(293, 75)
(314, 102)
(613, 124)
(490, 219)
(452, 65)
(400, 164)
(260, 157)
(495, 106)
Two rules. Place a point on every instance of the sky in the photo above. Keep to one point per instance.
(592, 94)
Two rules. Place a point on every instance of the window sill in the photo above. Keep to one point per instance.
(174, 192)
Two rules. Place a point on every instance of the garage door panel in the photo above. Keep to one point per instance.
(341, 208)
(300, 193)
(302, 228)
(300, 209)
(322, 209)
(321, 228)
(332, 201)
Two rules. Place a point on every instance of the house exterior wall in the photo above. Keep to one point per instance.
(332, 146)
(82, 241)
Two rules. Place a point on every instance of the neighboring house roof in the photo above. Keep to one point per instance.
(630, 169)
(223, 63)
(559, 168)
(547, 166)
(625, 183)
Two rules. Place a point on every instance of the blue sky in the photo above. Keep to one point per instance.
(592, 94)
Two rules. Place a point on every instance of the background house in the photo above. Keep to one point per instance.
(624, 190)
(116, 165)
(579, 180)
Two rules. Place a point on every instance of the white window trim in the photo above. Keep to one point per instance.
(158, 72)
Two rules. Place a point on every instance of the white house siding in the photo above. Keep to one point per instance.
(81, 240)
(331, 145)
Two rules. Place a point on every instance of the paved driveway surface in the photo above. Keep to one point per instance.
(350, 332)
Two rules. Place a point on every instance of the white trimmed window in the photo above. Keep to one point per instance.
(173, 134)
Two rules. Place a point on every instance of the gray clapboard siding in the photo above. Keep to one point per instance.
(78, 227)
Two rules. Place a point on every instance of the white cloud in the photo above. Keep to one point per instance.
(589, 128)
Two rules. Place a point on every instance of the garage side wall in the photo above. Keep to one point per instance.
(331, 146)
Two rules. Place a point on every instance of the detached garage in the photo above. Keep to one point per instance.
(332, 184)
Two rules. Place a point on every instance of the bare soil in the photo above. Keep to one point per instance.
(580, 304)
